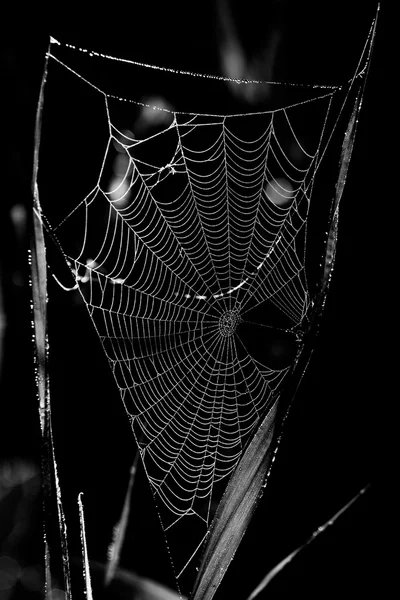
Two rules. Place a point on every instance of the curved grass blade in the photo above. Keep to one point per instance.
(85, 557)
(38, 267)
(236, 509)
(246, 486)
(248, 482)
(120, 528)
(268, 578)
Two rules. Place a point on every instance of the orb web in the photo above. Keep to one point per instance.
(192, 265)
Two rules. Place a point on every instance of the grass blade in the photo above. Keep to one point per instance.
(85, 558)
(263, 584)
(249, 479)
(120, 528)
(38, 267)
(236, 509)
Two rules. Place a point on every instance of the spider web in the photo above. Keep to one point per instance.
(193, 266)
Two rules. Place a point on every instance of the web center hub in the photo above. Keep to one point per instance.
(228, 322)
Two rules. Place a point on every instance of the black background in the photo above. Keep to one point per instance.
(331, 442)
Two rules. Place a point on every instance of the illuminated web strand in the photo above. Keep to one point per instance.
(93, 53)
(187, 113)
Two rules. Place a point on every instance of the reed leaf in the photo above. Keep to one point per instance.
(85, 557)
(247, 484)
(283, 563)
(38, 269)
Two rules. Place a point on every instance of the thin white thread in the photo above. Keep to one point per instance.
(93, 53)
